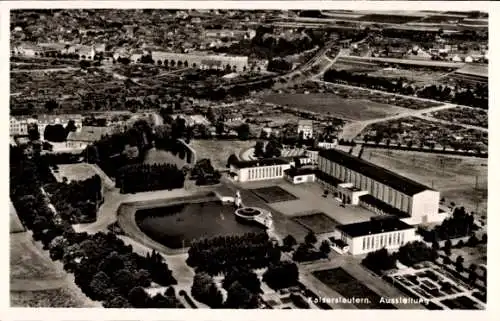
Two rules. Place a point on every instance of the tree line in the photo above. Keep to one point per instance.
(216, 255)
(144, 177)
(76, 201)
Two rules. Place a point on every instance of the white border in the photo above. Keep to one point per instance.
(7, 313)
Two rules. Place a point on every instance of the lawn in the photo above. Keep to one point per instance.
(29, 261)
(218, 151)
(37, 281)
(15, 224)
(453, 176)
(349, 287)
(318, 223)
(350, 109)
(273, 194)
(176, 226)
(57, 298)
(74, 172)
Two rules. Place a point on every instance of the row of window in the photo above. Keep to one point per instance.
(376, 242)
(379, 190)
(265, 172)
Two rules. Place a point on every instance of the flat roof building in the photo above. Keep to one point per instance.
(389, 193)
(262, 169)
(375, 234)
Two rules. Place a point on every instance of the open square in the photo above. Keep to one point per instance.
(318, 223)
(273, 194)
(349, 287)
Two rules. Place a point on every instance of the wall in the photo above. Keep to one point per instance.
(425, 206)
(259, 173)
(381, 241)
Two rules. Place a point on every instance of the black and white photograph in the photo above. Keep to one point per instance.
(215, 158)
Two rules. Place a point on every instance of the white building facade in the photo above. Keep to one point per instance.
(258, 170)
(306, 128)
(370, 236)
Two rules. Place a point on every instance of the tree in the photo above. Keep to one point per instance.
(51, 104)
(379, 261)
(117, 302)
(281, 275)
(473, 240)
(259, 149)
(289, 241)
(33, 133)
(245, 277)
(415, 252)
(138, 297)
(243, 131)
(205, 290)
(447, 247)
(325, 248)
(310, 238)
(238, 297)
(99, 285)
(231, 160)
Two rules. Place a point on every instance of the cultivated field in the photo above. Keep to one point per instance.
(349, 287)
(464, 115)
(274, 194)
(318, 223)
(351, 109)
(218, 151)
(453, 176)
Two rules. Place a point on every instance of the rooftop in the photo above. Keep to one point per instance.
(293, 171)
(374, 226)
(377, 173)
(260, 162)
(305, 122)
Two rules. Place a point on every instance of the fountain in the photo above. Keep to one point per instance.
(251, 214)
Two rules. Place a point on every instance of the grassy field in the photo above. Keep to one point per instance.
(350, 109)
(349, 287)
(453, 176)
(29, 261)
(317, 223)
(37, 281)
(218, 151)
(75, 172)
(273, 194)
(58, 298)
